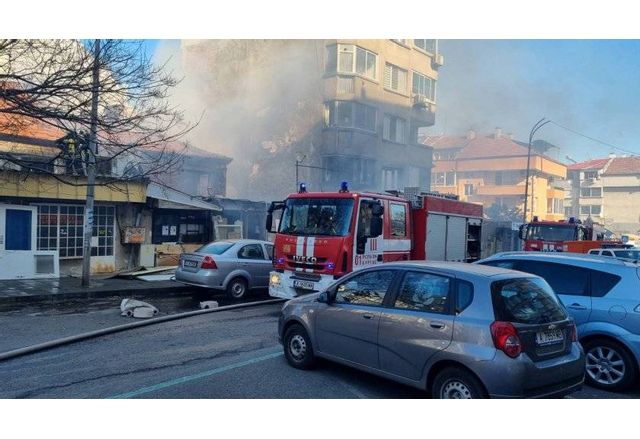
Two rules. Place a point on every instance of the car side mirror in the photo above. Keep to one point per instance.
(323, 297)
(269, 222)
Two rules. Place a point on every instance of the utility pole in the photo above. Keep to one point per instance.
(539, 124)
(91, 169)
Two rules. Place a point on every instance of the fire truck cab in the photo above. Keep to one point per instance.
(321, 236)
(564, 236)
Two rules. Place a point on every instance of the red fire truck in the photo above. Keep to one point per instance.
(323, 235)
(564, 236)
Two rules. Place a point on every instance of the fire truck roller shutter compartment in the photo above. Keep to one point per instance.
(436, 237)
(456, 244)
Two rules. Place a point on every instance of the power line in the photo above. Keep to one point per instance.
(594, 139)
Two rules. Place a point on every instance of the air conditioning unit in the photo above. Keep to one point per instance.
(437, 60)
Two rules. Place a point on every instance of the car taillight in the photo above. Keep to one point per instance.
(208, 263)
(574, 332)
(505, 337)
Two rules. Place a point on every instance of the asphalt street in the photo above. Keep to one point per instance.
(229, 354)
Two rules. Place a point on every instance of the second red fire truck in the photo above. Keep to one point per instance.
(321, 236)
(564, 236)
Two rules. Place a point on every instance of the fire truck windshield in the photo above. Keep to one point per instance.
(317, 216)
(551, 232)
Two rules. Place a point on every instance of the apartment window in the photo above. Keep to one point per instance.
(60, 227)
(555, 205)
(354, 169)
(443, 178)
(390, 178)
(394, 128)
(594, 210)
(430, 46)
(468, 189)
(351, 114)
(568, 212)
(590, 175)
(424, 86)
(591, 192)
(395, 78)
(354, 59)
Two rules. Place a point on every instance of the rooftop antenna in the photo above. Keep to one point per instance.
(568, 157)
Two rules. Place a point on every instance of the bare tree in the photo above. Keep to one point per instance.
(108, 100)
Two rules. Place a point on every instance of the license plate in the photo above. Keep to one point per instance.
(549, 337)
(303, 284)
(190, 263)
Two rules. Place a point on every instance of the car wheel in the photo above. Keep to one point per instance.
(237, 288)
(456, 383)
(608, 365)
(297, 348)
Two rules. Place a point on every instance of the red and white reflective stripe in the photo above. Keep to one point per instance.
(300, 249)
(310, 248)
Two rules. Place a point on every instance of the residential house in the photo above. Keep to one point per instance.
(491, 169)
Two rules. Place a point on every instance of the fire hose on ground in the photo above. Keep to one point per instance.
(120, 328)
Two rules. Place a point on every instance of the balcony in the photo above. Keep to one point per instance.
(500, 190)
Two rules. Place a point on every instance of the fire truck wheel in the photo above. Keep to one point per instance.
(297, 348)
(237, 288)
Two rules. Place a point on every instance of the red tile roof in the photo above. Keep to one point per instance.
(589, 164)
(27, 127)
(624, 166)
(445, 142)
(478, 147)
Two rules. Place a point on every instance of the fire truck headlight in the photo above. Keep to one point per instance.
(331, 266)
(275, 279)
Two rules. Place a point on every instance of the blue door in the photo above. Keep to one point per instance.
(18, 230)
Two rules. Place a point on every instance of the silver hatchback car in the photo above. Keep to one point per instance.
(602, 294)
(454, 329)
(235, 266)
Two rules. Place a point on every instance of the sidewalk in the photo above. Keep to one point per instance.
(14, 292)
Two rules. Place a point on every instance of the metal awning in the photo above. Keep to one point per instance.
(169, 198)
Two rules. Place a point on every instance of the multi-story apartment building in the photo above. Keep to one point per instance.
(351, 108)
(608, 191)
(491, 169)
(585, 195)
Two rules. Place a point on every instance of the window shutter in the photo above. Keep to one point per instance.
(387, 75)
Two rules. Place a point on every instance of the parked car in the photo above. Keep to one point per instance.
(626, 254)
(602, 294)
(512, 336)
(235, 266)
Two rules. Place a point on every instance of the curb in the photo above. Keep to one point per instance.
(114, 329)
(150, 291)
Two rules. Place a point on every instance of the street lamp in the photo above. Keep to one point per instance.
(539, 124)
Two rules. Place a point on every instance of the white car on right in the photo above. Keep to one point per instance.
(626, 254)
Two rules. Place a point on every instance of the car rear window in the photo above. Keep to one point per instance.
(602, 283)
(215, 248)
(525, 300)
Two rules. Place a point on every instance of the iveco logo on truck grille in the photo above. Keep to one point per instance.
(305, 259)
